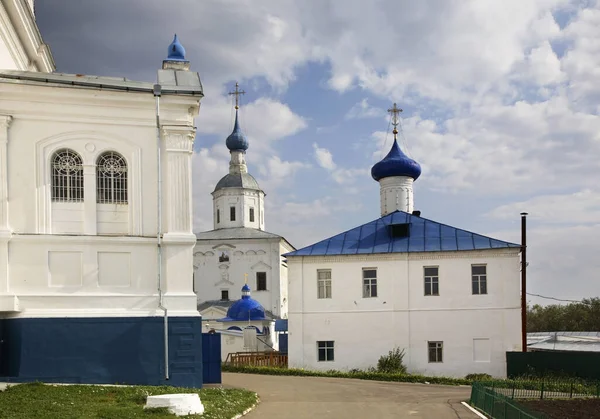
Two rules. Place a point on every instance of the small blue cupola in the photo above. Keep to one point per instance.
(176, 51)
(245, 309)
(396, 163)
(237, 140)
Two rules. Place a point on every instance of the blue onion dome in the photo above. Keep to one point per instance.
(176, 50)
(396, 163)
(237, 140)
(246, 308)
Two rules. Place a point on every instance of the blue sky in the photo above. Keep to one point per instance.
(500, 107)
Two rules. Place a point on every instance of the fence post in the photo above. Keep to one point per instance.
(571, 393)
(542, 391)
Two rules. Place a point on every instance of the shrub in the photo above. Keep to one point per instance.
(392, 363)
(478, 377)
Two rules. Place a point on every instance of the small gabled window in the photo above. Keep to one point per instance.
(399, 230)
(261, 281)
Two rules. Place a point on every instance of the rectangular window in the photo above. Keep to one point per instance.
(479, 279)
(232, 213)
(261, 281)
(325, 350)
(218, 215)
(369, 283)
(251, 214)
(324, 283)
(435, 350)
(432, 280)
(224, 294)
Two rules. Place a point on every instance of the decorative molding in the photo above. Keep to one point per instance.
(464, 254)
(231, 246)
(259, 264)
(179, 138)
(77, 140)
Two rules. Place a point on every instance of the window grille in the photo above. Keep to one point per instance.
(435, 350)
(323, 283)
(369, 283)
(325, 350)
(479, 279)
(67, 176)
(111, 179)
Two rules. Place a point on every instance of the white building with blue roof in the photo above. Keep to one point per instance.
(239, 245)
(449, 297)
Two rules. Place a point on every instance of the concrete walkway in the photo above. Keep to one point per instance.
(316, 397)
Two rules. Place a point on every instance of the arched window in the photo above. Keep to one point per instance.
(67, 176)
(111, 179)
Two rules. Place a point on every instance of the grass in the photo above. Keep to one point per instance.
(548, 383)
(42, 401)
(359, 374)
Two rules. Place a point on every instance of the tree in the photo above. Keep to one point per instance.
(573, 317)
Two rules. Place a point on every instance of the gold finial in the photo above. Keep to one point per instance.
(245, 278)
(237, 92)
(395, 111)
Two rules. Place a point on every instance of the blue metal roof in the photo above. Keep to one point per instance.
(396, 163)
(237, 140)
(424, 236)
(176, 50)
(245, 308)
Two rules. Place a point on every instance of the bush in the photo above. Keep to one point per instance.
(478, 377)
(392, 363)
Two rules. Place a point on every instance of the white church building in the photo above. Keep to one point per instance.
(449, 297)
(239, 248)
(96, 241)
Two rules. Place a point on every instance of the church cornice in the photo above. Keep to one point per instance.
(467, 254)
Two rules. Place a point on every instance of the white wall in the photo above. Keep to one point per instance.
(366, 328)
(109, 262)
(21, 45)
(245, 256)
(242, 200)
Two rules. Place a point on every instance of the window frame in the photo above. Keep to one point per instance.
(368, 284)
(258, 288)
(324, 284)
(223, 293)
(431, 280)
(218, 216)
(112, 179)
(438, 347)
(232, 213)
(251, 214)
(479, 279)
(71, 185)
(328, 347)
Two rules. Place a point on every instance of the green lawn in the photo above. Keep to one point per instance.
(42, 401)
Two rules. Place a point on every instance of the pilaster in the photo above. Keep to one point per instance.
(178, 238)
(177, 179)
(89, 183)
(5, 121)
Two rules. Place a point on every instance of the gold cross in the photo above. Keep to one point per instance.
(237, 94)
(395, 111)
(245, 278)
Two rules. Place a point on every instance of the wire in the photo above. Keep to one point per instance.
(558, 299)
(404, 142)
(387, 133)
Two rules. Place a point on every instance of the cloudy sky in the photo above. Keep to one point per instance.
(500, 98)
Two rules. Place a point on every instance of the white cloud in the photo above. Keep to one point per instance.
(362, 109)
(324, 157)
(579, 207)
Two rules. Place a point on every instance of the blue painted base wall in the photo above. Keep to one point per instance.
(126, 350)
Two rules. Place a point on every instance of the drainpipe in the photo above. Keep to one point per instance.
(524, 281)
(157, 93)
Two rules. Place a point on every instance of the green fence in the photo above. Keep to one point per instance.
(546, 388)
(542, 363)
(498, 406)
